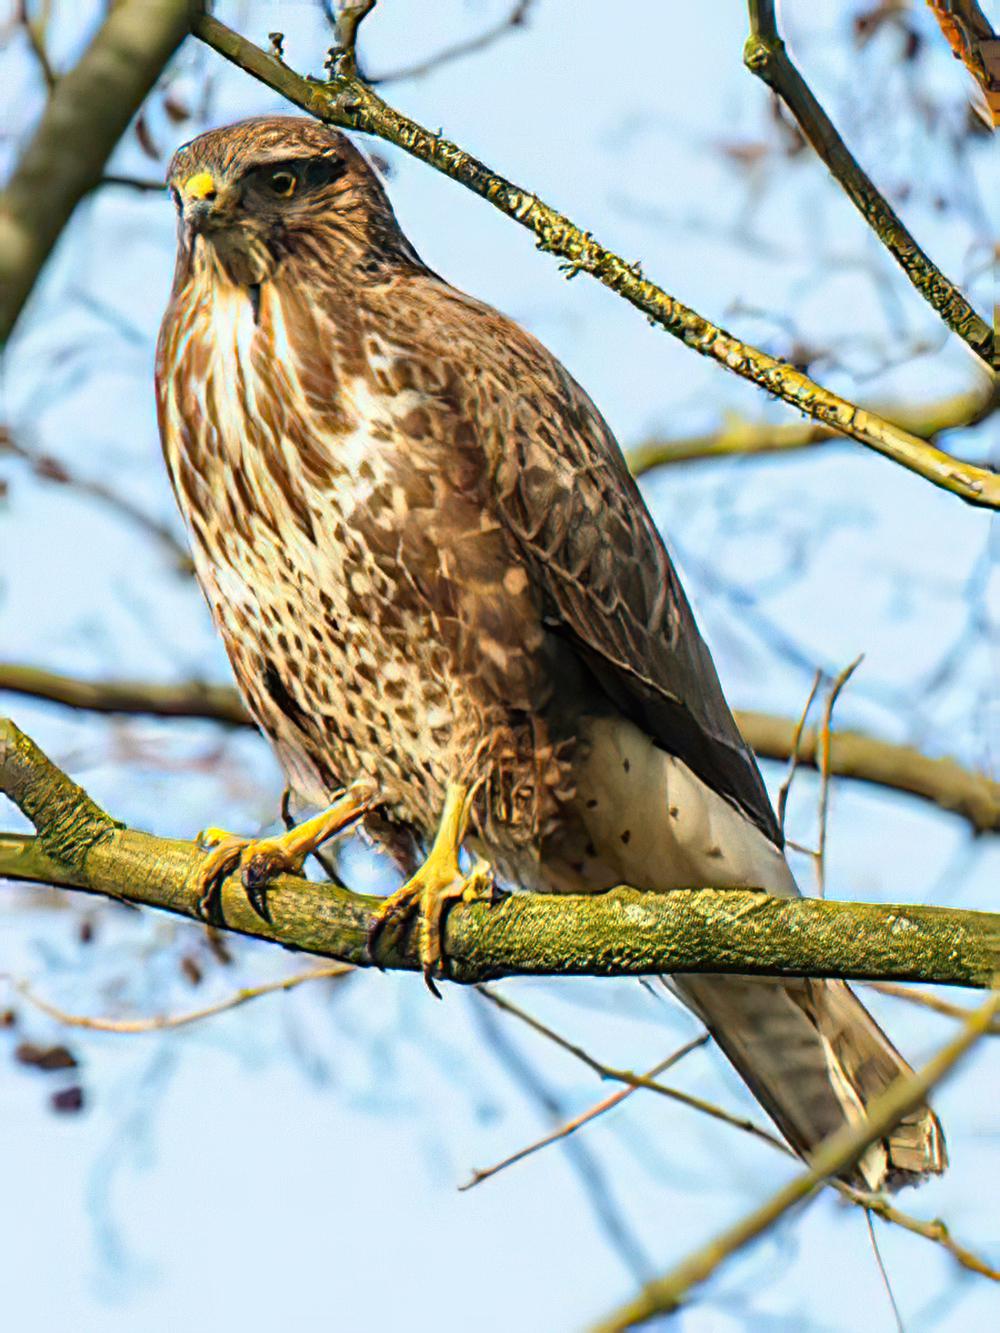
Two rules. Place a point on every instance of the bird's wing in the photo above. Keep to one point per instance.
(563, 490)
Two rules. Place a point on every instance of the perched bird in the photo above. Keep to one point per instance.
(447, 606)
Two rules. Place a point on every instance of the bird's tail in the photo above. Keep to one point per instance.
(815, 1058)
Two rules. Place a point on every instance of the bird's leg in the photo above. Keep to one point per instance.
(438, 883)
(260, 859)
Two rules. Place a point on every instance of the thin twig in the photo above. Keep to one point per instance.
(571, 1126)
(786, 786)
(163, 1022)
(824, 770)
(515, 19)
(935, 1231)
(626, 1076)
(742, 437)
(926, 1001)
(50, 469)
(609, 1215)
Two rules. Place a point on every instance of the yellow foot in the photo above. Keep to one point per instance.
(437, 884)
(260, 859)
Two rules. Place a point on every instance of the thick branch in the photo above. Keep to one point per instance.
(944, 782)
(621, 933)
(86, 115)
(347, 102)
(766, 56)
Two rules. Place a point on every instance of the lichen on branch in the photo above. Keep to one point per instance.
(625, 932)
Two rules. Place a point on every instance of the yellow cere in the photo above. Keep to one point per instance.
(199, 186)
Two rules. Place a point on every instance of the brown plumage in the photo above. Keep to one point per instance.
(430, 566)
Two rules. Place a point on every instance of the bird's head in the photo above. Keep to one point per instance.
(252, 194)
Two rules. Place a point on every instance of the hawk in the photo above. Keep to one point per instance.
(448, 607)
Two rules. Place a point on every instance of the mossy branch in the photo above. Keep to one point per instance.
(87, 113)
(348, 102)
(621, 933)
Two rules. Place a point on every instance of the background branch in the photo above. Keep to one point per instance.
(739, 436)
(766, 56)
(620, 933)
(944, 782)
(346, 101)
(87, 113)
(839, 1151)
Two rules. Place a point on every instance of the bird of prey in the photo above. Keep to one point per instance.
(448, 608)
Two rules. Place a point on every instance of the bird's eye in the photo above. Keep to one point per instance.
(282, 183)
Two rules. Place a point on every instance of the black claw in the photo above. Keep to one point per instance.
(210, 903)
(257, 898)
(256, 879)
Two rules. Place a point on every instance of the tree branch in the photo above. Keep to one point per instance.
(943, 782)
(839, 1151)
(85, 117)
(739, 436)
(620, 933)
(766, 56)
(346, 101)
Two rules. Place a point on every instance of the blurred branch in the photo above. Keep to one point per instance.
(163, 1022)
(613, 1222)
(52, 469)
(218, 703)
(34, 30)
(738, 436)
(838, 1152)
(970, 35)
(927, 1001)
(766, 56)
(944, 782)
(620, 933)
(517, 18)
(87, 113)
(346, 101)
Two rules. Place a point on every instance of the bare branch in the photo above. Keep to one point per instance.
(346, 101)
(766, 56)
(934, 1231)
(838, 1152)
(51, 469)
(86, 115)
(739, 437)
(517, 18)
(163, 1022)
(944, 782)
(571, 1126)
